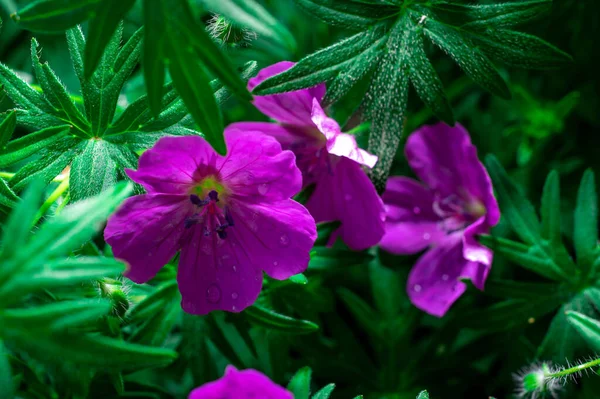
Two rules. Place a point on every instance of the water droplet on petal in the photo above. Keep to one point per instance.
(275, 263)
(417, 288)
(233, 308)
(263, 188)
(426, 236)
(234, 295)
(416, 210)
(234, 268)
(284, 240)
(213, 293)
(445, 277)
(348, 197)
(149, 254)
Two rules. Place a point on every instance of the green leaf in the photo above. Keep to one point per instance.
(157, 327)
(504, 14)
(426, 80)
(588, 328)
(44, 169)
(77, 224)
(270, 319)
(154, 53)
(529, 257)
(322, 65)
(93, 171)
(515, 207)
(299, 385)
(21, 93)
(7, 196)
(59, 273)
(324, 232)
(253, 16)
(7, 127)
(550, 209)
(192, 84)
(161, 294)
(101, 28)
(21, 148)
(364, 314)
(347, 14)
(6, 381)
(389, 94)
(585, 234)
(55, 16)
(324, 393)
(521, 290)
(466, 54)
(19, 224)
(93, 351)
(423, 395)
(324, 258)
(520, 50)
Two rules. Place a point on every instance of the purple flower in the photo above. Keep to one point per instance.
(327, 158)
(455, 203)
(231, 216)
(246, 384)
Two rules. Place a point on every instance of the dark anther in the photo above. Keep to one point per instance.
(197, 201)
(228, 217)
(189, 222)
(222, 234)
(214, 196)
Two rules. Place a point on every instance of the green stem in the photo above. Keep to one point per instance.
(62, 187)
(57, 179)
(575, 369)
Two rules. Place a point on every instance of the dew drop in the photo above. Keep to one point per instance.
(416, 210)
(234, 268)
(445, 277)
(149, 254)
(263, 188)
(426, 236)
(284, 240)
(213, 293)
(234, 295)
(275, 263)
(348, 197)
(417, 288)
(233, 308)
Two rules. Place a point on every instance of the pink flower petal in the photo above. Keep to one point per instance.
(277, 236)
(338, 143)
(216, 274)
(256, 167)
(348, 195)
(174, 164)
(146, 231)
(246, 384)
(433, 283)
(293, 108)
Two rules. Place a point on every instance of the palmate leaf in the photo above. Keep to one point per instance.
(91, 141)
(470, 34)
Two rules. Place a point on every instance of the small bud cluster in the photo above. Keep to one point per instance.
(117, 291)
(228, 35)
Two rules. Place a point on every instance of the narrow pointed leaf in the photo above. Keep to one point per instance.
(550, 209)
(154, 47)
(299, 385)
(585, 235)
(347, 14)
(471, 60)
(8, 197)
(93, 171)
(55, 16)
(6, 381)
(7, 127)
(270, 319)
(21, 148)
(588, 328)
(423, 395)
(426, 80)
(324, 393)
(101, 29)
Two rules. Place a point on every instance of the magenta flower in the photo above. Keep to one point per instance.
(327, 158)
(445, 214)
(246, 384)
(231, 216)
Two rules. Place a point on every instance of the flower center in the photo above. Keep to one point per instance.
(456, 212)
(212, 213)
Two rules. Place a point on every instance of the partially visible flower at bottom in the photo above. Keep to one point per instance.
(245, 384)
(231, 216)
(455, 203)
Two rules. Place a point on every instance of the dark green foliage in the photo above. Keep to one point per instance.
(469, 34)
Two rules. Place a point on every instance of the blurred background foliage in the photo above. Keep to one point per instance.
(370, 339)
